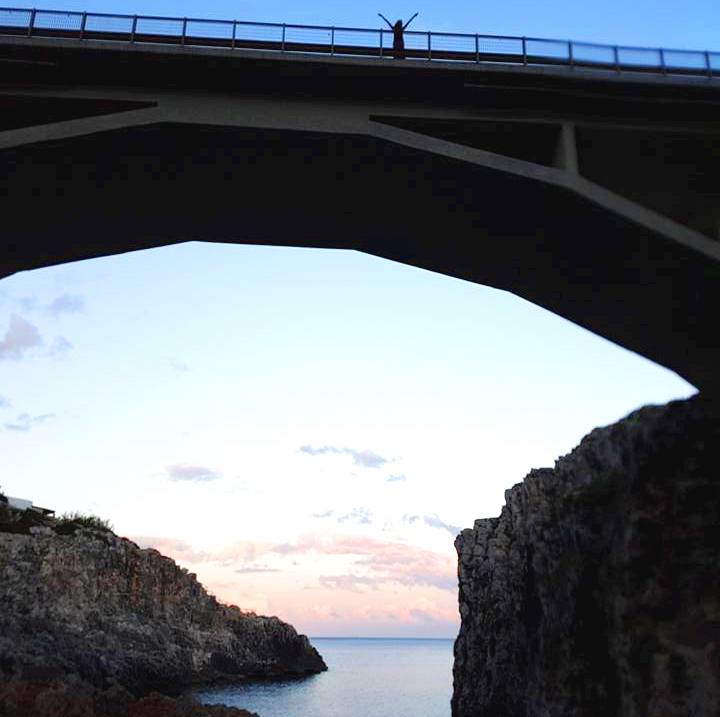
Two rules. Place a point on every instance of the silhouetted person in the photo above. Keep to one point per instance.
(398, 31)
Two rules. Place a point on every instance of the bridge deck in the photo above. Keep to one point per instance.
(355, 42)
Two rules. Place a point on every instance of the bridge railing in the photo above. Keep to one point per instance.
(358, 42)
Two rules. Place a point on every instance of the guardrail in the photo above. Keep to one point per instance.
(357, 42)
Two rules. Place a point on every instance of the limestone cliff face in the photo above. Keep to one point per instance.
(597, 590)
(89, 605)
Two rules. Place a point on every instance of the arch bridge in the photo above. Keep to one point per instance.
(583, 178)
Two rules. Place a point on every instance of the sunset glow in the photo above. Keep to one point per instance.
(305, 430)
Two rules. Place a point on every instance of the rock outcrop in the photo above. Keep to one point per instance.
(83, 607)
(597, 590)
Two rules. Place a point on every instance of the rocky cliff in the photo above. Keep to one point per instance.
(597, 589)
(84, 606)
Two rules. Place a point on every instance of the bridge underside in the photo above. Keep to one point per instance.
(160, 184)
(613, 225)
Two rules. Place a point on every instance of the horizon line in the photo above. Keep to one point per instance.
(356, 637)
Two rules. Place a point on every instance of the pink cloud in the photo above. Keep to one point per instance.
(171, 547)
(380, 562)
(413, 611)
(21, 336)
(241, 552)
(399, 615)
(353, 583)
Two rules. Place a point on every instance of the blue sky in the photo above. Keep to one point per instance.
(307, 430)
(692, 24)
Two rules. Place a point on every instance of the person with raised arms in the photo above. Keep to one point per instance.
(398, 31)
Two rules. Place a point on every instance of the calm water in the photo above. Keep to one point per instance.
(365, 678)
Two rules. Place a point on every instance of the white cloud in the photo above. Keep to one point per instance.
(191, 474)
(357, 515)
(25, 422)
(179, 366)
(364, 458)
(59, 346)
(432, 521)
(66, 304)
(256, 569)
(28, 303)
(22, 336)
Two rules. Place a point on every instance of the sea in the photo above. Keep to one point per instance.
(366, 677)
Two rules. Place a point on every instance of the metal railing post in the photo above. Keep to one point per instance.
(477, 48)
(83, 22)
(429, 46)
(282, 44)
(570, 54)
(661, 53)
(234, 35)
(184, 31)
(524, 50)
(616, 57)
(708, 64)
(133, 30)
(332, 40)
(381, 42)
(31, 24)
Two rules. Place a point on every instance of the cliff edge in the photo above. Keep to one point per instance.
(597, 589)
(85, 607)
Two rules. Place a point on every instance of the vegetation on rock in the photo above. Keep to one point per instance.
(83, 520)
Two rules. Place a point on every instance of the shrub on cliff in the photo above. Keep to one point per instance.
(73, 521)
(3, 497)
(19, 521)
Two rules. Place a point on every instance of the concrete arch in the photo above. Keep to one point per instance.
(332, 170)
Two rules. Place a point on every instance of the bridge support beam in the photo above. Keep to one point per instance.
(566, 154)
(68, 129)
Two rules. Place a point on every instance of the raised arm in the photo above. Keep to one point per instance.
(386, 20)
(405, 26)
